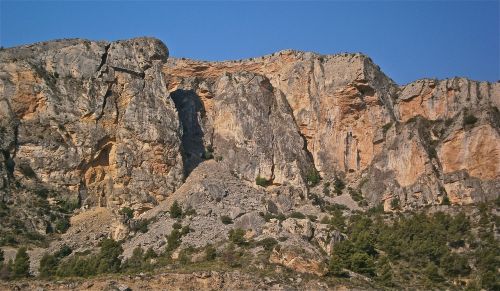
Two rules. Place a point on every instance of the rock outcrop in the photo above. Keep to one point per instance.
(384, 140)
(92, 119)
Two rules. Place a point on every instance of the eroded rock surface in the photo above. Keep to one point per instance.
(92, 119)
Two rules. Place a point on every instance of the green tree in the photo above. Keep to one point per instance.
(62, 225)
(226, 219)
(237, 236)
(175, 210)
(48, 266)
(21, 265)
(109, 261)
(384, 272)
(2, 258)
(210, 253)
(362, 263)
(454, 265)
(336, 266)
(128, 212)
(313, 177)
(173, 240)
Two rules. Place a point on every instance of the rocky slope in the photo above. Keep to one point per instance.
(100, 126)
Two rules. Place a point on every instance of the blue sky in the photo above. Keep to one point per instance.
(408, 39)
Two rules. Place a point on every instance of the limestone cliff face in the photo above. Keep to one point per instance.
(117, 124)
(91, 119)
(416, 143)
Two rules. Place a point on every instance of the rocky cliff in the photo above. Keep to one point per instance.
(88, 129)
(416, 143)
(116, 124)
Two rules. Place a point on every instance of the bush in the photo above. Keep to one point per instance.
(395, 203)
(173, 241)
(297, 215)
(267, 243)
(210, 253)
(446, 200)
(62, 225)
(355, 194)
(21, 266)
(226, 219)
(469, 119)
(454, 265)
(338, 185)
(129, 213)
(140, 225)
(386, 127)
(263, 182)
(108, 259)
(313, 177)
(336, 267)
(48, 266)
(237, 236)
(177, 225)
(209, 153)
(362, 263)
(64, 251)
(185, 230)
(175, 210)
(2, 257)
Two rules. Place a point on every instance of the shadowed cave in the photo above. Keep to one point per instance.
(190, 110)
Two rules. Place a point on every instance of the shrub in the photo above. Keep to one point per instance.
(108, 259)
(173, 241)
(140, 225)
(209, 153)
(454, 265)
(185, 230)
(386, 127)
(267, 243)
(336, 267)
(2, 258)
(177, 225)
(210, 253)
(237, 236)
(175, 210)
(297, 215)
(150, 254)
(226, 219)
(64, 251)
(263, 182)
(446, 200)
(338, 185)
(313, 177)
(21, 265)
(127, 212)
(62, 225)
(355, 194)
(469, 119)
(48, 266)
(362, 263)
(395, 203)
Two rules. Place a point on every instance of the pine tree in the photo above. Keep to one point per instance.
(21, 266)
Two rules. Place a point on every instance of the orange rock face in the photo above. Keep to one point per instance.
(477, 151)
(360, 125)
